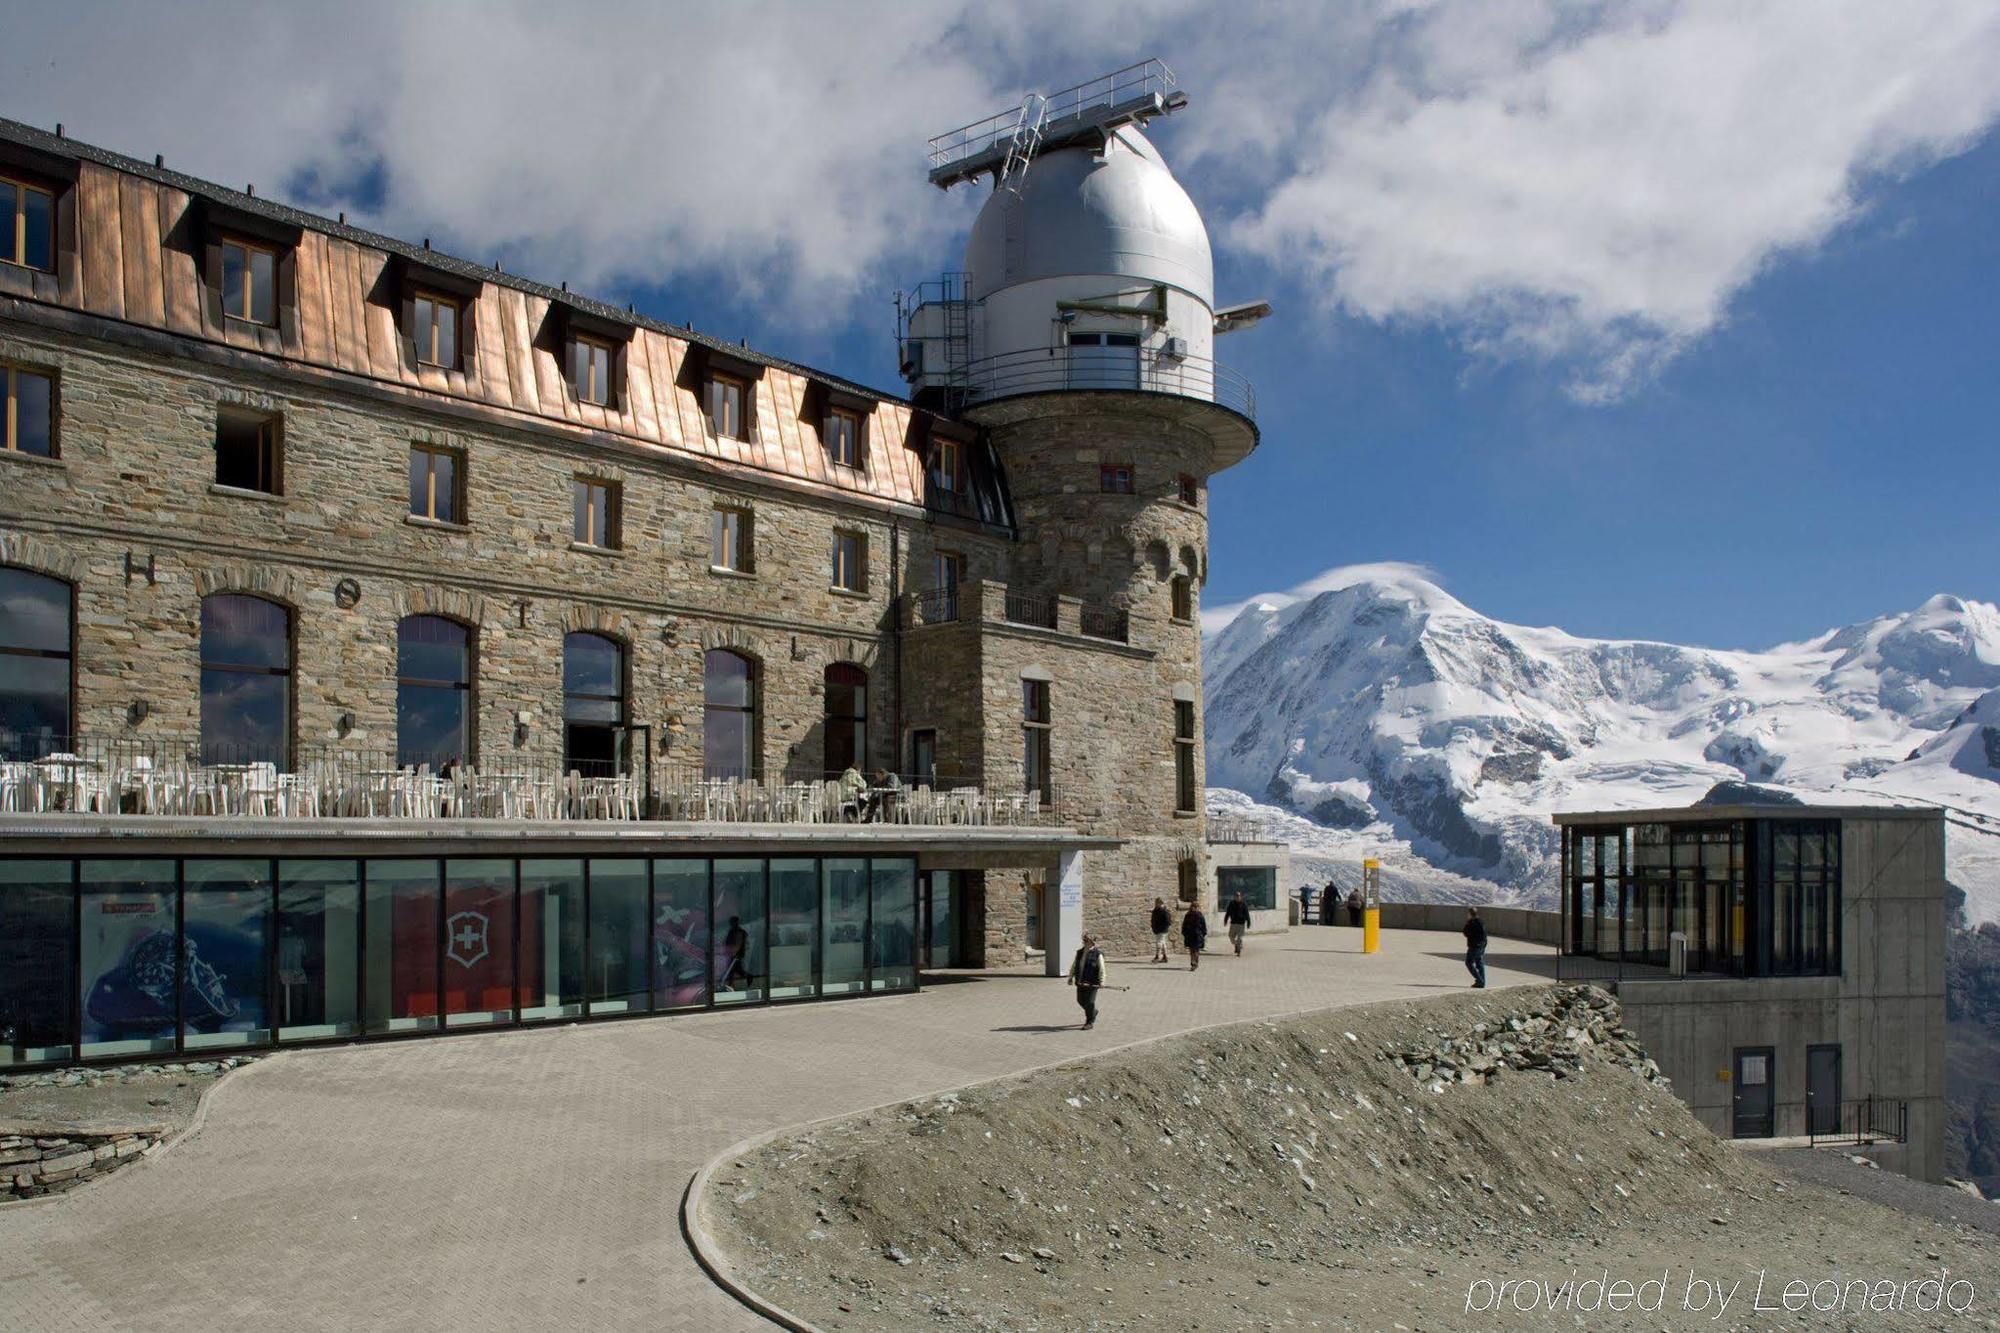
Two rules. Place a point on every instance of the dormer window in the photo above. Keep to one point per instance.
(590, 369)
(947, 464)
(434, 321)
(842, 433)
(724, 397)
(249, 282)
(27, 225)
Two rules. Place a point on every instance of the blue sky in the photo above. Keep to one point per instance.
(1651, 319)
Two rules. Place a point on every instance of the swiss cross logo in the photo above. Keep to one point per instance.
(465, 938)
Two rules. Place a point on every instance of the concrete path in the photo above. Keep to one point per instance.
(531, 1179)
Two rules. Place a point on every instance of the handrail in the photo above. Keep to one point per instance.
(1147, 77)
(1130, 369)
(1026, 608)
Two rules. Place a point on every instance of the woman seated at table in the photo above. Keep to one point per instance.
(853, 794)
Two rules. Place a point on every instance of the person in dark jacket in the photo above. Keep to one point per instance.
(1162, 923)
(1236, 915)
(1354, 907)
(1194, 934)
(1475, 947)
(1086, 973)
(1329, 903)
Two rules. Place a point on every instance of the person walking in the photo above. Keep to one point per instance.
(1475, 947)
(1162, 921)
(1194, 934)
(1329, 903)
(1086, 973)
(1236, 915)
(1354, 907)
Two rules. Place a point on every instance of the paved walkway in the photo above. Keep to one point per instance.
(532, 1179)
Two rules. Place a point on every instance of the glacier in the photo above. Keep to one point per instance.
(1371, 713)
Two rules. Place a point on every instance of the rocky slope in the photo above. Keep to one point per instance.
(1390, 715)
(1319, 1171)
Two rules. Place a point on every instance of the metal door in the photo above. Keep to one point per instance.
(1754, 1076)
(1822, 1089)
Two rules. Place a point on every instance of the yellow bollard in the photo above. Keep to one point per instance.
(1371, 906)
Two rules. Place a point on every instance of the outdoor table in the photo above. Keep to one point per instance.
(71, 768)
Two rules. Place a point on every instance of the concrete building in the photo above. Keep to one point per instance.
(1783, 963)
(300, 520)
(1257, 867)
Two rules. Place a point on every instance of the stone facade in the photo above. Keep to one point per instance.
(129, 515)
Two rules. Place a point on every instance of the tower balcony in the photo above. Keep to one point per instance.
(1106, 370)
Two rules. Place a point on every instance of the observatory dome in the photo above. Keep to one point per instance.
(1079, 212)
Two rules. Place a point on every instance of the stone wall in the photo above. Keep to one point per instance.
(40, 1159)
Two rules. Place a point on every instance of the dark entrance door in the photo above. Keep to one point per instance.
(1754, 1076)
(1822, 1089)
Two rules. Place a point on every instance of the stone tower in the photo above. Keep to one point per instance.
(1079, 338)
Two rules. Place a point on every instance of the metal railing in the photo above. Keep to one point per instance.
(1146, 79)
(1863, 1121)
(1105, 622)
(939, 606)
(1132, 369)
(1026, 608)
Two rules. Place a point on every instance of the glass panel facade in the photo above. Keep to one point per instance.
(239, 952)
(552, 939)
(741, 975)
(128, 978)
(619, 977)
(844, 926)
(680, 934)
(37, 946)
(478, 942)
(319, 949)
(403, 903)
(893, 926)
(226, 934)
(794, 928)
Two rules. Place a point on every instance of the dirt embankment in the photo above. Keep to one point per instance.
(1364, 1168)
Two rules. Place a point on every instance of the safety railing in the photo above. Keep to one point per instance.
(1129, 369)
(1026, 608)
(1144, 80)
(1863, 1121)
(1105, 622)
(937, 606)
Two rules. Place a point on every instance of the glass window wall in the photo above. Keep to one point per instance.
(844, 926)
(680, 934)
(741, 976)
(478, 942)
(619, 978)
(893, 916)
(129, 979)
(226, 934)
(794, 928)
(552, 939)
(403, 906)
(37, 946)
(319, 937)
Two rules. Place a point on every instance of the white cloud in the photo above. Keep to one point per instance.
(1591, 186)
(1392, 573)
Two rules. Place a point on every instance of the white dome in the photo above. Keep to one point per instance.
(1120, 213)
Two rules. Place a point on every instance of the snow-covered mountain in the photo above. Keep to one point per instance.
(1380, 713)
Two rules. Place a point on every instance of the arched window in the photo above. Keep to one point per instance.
(34, 664)
(593, 704)
(846, 718)
(246, 681)
(433, 692)
(729, 715)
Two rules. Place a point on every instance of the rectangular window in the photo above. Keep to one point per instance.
(1035, 728)
(590, 370)
(1186, 791)
(249, 282)
(29, 425)
(1183, 597)
(436, 331)
(729, 540)
(319, 943)
(595, 513)
(850, 561)
(1114, 478)
(843, 437)
(437, 479)
(726, 396)
(1190, 490)
(27, 225)
(249, 451)
(923, 756)
(1257, 884)
(947, 464)
(947, 570)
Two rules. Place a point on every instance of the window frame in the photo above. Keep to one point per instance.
(579, 341)
(857, 572)
(19, 240)
(1037, 733)
(431, 453)
(270, 443)
(1186, 797)
(754, 710)
(1180, 593)
(1116, 479)
(288, 672)
(622, 696)
(856, 723)
(1190, 490)
(831, 438)
(10, 434)
(714, 381)
(945, 448)
(249, 248)
(584, 489)
(724, 555)
(67, 656)
(469, 719)
(438, 300)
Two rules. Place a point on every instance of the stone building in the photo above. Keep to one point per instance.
(280, 491)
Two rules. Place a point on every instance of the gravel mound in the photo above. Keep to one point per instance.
(1353, 1168)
